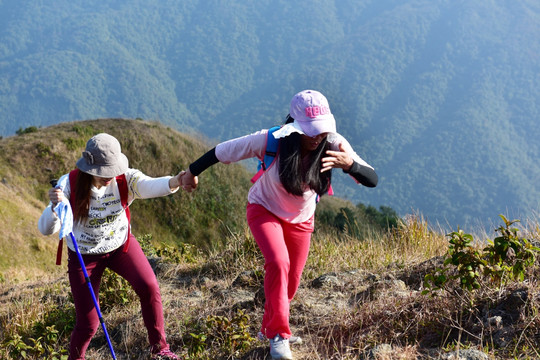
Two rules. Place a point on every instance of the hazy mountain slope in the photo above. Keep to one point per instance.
(440, 96)
(444, 124)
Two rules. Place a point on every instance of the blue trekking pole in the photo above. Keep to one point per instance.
(63, 210)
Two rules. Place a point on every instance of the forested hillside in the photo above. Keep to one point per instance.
(441, 97)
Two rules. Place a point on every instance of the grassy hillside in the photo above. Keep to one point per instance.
(30, 160)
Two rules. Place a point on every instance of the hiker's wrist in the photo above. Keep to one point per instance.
(174, 182)
(347, 169)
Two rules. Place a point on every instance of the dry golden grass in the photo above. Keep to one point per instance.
(367, 311)
(26, 253)
(194, 291)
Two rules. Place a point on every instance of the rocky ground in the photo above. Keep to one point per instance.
(325, 307)
(348, 315)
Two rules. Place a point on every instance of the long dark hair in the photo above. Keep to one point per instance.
(292, 173)
(81, 202)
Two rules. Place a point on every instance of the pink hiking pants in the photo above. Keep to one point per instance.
(285, 248)
(132, 266)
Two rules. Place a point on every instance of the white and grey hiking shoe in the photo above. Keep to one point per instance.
(279, 348)
(292, 340)
(295, 340)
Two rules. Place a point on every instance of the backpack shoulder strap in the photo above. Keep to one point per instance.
(123, 188)
(272, 146)
(121, 181)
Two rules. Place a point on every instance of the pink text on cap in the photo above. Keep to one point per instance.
(314, 111)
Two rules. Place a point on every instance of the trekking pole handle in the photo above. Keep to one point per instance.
(53, 182)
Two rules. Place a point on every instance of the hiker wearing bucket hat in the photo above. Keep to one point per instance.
(281, 203)
(100, 191)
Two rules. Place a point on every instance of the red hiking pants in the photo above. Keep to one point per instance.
(285, 248)
(132, 266)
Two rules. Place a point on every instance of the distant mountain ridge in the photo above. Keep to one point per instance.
(441, 97)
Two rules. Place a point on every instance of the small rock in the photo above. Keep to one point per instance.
(379, 352)
(196, 294)
(327, 280)
(467, 354)
(204, 280)
(494, 322)
(247, 279)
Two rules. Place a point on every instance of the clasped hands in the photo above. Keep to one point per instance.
(185, 179)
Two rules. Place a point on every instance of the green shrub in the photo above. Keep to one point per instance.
(115, 290)
(74, 144)
(43, 150)
(60, 317)
(30, 129)
(85, 132)
(354, 221)
(43, 346)
(220, 337)
(177, 253)
(506, 258)
(508, 255)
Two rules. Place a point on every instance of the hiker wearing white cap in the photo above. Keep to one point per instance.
(100, 191)
(281, 203)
